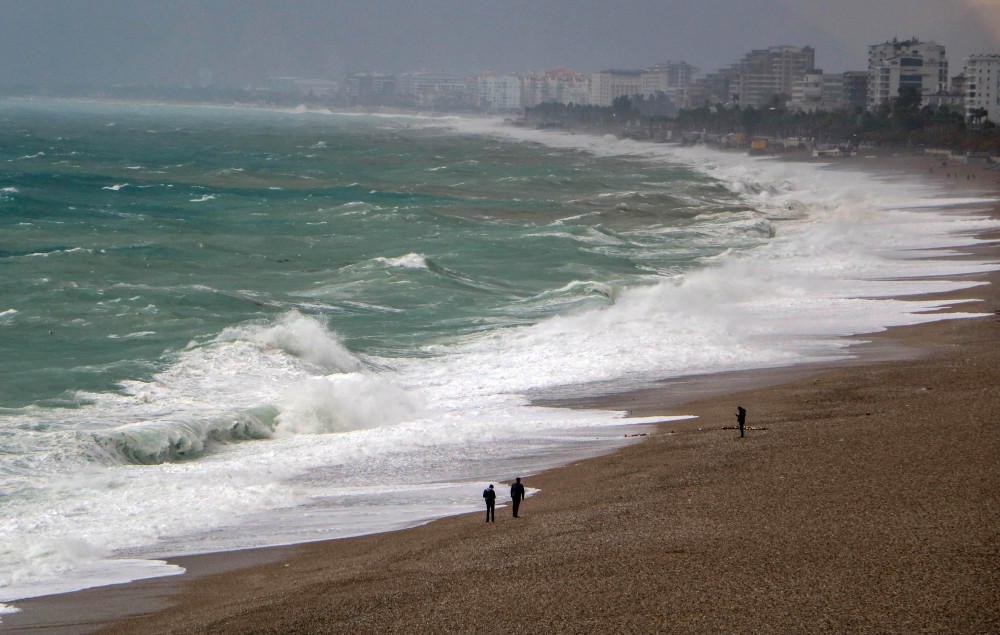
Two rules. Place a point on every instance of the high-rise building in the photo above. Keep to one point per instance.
(712, 90)
(667, 77)
(370, 89)
(855, 90)
(762, 75)
(302, 86)
(495, 93)
(607, 86)
(818, 91)
(428, 88)
(982, 87)
(671, 78)
(896, 65)
(560, 85)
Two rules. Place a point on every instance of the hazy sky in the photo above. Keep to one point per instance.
(242, 41)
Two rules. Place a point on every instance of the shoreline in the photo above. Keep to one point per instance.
(252, 572)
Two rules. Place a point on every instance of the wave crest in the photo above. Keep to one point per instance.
(300, 336)
(409, 261)
(151, 443)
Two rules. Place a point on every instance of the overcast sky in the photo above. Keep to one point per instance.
(243, 41)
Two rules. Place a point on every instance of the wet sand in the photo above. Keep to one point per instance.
(870, 503)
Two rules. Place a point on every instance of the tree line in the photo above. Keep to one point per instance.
(899, 122)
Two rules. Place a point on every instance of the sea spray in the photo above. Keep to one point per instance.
(338, 403)
(301, 337)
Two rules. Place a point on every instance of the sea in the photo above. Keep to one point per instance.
(224, 328)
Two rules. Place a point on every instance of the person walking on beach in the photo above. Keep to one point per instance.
(516, 495)
(741, 418)
(491, 498)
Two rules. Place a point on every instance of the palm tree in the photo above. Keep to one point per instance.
(977, 115)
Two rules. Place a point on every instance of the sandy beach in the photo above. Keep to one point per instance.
(865, 498)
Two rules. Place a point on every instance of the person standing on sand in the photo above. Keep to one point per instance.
(491, 499)
(741, 417)
(516, 495)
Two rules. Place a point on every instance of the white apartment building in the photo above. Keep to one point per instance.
(982, 86)
(606, 86)
(426, 88)
(671, 78)
(895, 65)
(763, 74)
(369, 88)
(496, 92)
(668, 77)
(818, 92)
(302, 86)
(560, 85)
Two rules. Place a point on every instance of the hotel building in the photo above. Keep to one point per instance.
(982, 86)
(911, 63)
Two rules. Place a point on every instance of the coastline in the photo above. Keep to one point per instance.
(717, 563)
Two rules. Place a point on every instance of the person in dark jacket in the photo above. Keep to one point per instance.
(491, 498)
(516, 495)
(741, 418)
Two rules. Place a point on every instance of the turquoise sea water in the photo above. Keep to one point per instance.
(132, 231)
(317, 324)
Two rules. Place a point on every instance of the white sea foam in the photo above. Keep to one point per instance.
(116, 187)
(343, 402)
(207, 197)
(46, 254)
(7, 609)
(409, 261)
(351, 418)
(859, 239)
(302, 337)
(85, 576)
(137, 334)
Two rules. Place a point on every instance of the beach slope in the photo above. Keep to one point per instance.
(871, 503)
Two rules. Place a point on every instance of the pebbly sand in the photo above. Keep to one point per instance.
(870, 504)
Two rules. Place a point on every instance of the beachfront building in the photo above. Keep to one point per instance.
(954, 102)
(982, 88)
(817, 92)
(302, 86)
(911, 63)
(958, 84)
(607, 86)
(764, 76)
(429, 88)
(855, 90)
(496, 93)
(560, 85)
(672, 79)
(370, 89)
(711, 90)
(668, 77)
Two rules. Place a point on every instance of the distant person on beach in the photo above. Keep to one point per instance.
(741, 417)
(491, 499)
(516, 495)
